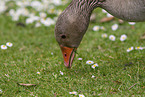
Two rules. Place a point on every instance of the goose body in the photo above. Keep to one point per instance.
(129, 10)
(74, 20)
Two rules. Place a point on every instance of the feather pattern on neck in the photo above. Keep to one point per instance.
(88, 5)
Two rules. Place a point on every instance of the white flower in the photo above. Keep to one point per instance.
(3, 47)
(12, 12)
(123, 37)
(29, 20)
(139, 48)
(47, 22)
(9, 44)
(19, 3)
(32, 19)
(38, 72)
(80, 58)
(104, 35)
(37, 5)
(52, 11)
(6, 75)
(59, 12)
(2, 6)
(114, 27)
(61, 72)
(51, 53)
(35, 18)
(112, 37)
(37, 24)
(92, 76)
(15, 17)
(57, 2)
(42, 14)
(81, 95)
(102, 28)
(74, 92)
(96, 28)
(31, 15)
(130, 49)
(20, 11)
(89, 62)
(95, 65)
(132, 23)
(26, 12)
(1, 91)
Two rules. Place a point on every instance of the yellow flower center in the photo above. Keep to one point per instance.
(104, 35)
(138, 47)
(52, 10)
(112, 38)
(129, 48)
(4, 46)
(38, 73)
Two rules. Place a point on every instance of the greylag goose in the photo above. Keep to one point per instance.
(74, 20)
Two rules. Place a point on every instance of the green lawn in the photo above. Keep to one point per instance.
(119, 74)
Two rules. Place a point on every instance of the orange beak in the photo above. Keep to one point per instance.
(68, 55)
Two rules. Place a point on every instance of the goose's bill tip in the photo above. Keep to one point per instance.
(68, 55)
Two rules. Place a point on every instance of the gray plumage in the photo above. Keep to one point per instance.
(74, 20)
(129, 10)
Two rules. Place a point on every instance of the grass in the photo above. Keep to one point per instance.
(119, 73)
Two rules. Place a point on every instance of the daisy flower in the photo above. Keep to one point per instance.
(96, 28)
(61, 72)
(3, 47)
(139, 48)
(9, 44)
(6, 75)
(102, 28)
(123, 37)
(38, 72)
(42, 14)
(89, 62)
(37, 24)
(29, 20)
(92, 76)
(130, 49)
(1, 91)
(81, 95)
(104, 35)
(51, 53)
(112, 37)
(80, 58)
(95, 65)
(114, 27)
(74, 92)
(131, 23)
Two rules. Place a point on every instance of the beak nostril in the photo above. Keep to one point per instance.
(65, 55)
(63, 36)
(68, 55)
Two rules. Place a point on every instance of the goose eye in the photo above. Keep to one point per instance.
(63, 36)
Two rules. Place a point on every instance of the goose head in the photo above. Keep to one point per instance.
(70, 28)
(69, 32)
